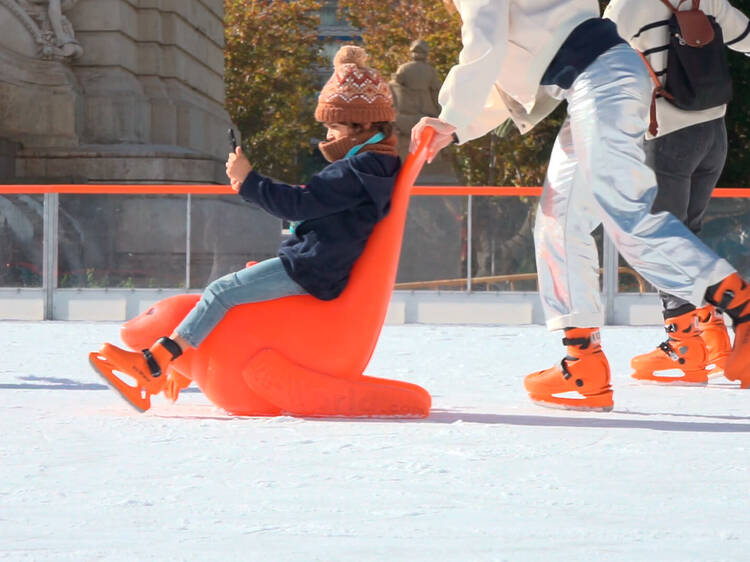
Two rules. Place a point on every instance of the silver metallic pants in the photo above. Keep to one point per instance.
(597, 175)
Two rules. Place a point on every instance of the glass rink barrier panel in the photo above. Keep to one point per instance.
(725, 229)
(68, 250)
(121, 241)
(434, 249)
(225, 234)
(21, 240)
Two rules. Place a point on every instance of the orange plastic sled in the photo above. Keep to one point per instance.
(300, 355)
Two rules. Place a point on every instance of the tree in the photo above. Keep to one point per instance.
(272, 57)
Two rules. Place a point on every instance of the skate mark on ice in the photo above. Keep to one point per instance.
(51, 383)
(606, 421)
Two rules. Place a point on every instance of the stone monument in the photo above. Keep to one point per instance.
(415, 86)
(120, 91)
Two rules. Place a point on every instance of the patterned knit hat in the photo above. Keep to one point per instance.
(355, 93)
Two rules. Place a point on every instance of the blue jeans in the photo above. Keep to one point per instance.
(264, 281)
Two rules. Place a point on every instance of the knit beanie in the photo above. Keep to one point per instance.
(355, 93)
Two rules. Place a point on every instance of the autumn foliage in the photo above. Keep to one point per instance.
(272, 58)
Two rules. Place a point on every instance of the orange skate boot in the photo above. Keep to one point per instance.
(583, 375)
(715, 336)
(732, 296)
(683, 350)
(147, 368)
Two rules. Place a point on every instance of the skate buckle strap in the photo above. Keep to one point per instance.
(725, 305)
(171, 346)
(153, 366)
(564, 366)
(666, 348)
(566, 373)
(583, 343)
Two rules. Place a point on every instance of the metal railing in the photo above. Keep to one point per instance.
(610, 269)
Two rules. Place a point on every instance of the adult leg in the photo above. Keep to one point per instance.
(687, 163)
(568, 270)
(608, 106)
(710, 321)
(707, 172)
(566, 254)
(674, 159)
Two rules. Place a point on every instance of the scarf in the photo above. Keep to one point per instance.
(338, 149)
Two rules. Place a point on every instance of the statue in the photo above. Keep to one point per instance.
(52, 31)
(415, 86)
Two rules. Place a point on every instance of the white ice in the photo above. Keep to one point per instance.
(488, 476)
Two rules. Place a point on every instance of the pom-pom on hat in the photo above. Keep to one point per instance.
(355, 93)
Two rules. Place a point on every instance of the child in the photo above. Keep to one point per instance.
(519, 58)
(333, 217)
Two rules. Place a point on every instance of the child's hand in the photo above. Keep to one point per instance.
(238, 167)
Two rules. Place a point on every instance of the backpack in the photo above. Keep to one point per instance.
(697, 74)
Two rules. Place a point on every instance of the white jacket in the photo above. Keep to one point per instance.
(507, 46)
(643, 23)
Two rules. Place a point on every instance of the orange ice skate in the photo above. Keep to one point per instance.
(583, 375)
(715, 336)
(732, 296)
(147, 368)
(684, 350)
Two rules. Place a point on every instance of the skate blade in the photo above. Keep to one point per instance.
(668, 381)
(136, 396)
(579, 404)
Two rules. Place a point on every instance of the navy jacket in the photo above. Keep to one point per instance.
(338, 208)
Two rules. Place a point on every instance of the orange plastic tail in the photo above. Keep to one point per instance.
(302, 392)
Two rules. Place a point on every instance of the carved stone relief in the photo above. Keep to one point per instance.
(45, 21)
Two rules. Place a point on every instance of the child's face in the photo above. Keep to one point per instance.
(337, 130)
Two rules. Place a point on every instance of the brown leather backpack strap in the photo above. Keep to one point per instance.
(653, 126)
(669, 5)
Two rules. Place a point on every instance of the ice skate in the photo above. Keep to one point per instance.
(147, 368)
(684, 350)
(732, 296)
(715, 336)
(582, 376)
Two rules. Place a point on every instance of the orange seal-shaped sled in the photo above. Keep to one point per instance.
(300, 355)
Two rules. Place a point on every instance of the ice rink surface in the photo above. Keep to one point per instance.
(488, 476)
